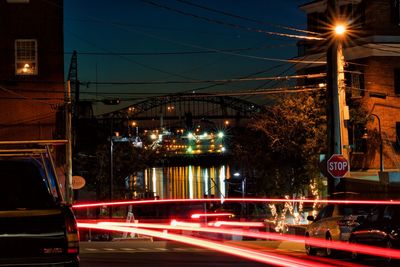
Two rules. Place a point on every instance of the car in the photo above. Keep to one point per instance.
(37, 228)
(333, 222)
(380, 228)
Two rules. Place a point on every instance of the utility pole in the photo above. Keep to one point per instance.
(337, 129)
(68, 150)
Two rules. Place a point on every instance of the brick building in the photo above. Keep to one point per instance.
(31, 68)
(372, 74)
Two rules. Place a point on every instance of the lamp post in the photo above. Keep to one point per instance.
(336, 94)
(380, 142)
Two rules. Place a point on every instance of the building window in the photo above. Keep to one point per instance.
(25, 57)
(354, 80)
(397, 81)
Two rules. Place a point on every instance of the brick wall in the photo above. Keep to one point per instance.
(28, 104)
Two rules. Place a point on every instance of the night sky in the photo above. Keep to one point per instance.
(174, 40)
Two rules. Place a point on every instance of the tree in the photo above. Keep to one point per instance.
(290, 137)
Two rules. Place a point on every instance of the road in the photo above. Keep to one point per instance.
(146, 253)
(158, 253)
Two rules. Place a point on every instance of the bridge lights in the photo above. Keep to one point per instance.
(190, 136)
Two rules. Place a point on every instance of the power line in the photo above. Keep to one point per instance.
(305, 76)
(218, 50)
(266, 91)
(236, 26)
(96, 53)
(246, 18)
(137, 62)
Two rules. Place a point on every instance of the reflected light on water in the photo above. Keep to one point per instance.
(187, 182)
(222, 183)
(206, 186)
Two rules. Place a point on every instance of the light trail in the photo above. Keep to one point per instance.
(199, 215)
(255, 200)
(176, 223)
(316, 242)
(236, 223)
(264, 257)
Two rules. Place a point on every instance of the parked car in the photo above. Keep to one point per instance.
(36, 227)
(333, 222)
(380, 228)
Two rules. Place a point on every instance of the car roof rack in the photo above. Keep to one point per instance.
(34, 148)
(28, 147)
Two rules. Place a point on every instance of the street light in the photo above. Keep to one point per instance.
(340, 29)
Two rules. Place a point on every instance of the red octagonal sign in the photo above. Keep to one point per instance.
(338, 166)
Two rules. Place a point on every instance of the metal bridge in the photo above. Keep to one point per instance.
(181, 110)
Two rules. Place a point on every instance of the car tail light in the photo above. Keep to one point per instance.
(72, 235)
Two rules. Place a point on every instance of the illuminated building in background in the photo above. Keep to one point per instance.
(187, 142)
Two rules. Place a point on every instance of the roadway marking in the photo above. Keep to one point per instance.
(91, 249)
(127, 249)
(162, 249)
(143, 249)
(109, 249)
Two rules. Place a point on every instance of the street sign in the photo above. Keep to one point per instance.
(337, 166)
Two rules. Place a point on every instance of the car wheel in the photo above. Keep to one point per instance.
(328, 251)
(310, 251)
(354, 255)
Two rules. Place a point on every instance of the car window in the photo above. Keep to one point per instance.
(389, 213)
(23, 187)
(325, 212)
(346, 210)
(328, 211)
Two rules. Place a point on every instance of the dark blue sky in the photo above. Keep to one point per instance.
(140, 32)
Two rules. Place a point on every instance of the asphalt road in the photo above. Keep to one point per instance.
(159, 253)
(146, 253)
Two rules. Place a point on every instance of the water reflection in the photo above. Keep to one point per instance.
(187, 182)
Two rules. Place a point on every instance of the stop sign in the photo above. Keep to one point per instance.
(338, 166)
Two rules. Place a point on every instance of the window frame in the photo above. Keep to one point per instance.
(34, 62)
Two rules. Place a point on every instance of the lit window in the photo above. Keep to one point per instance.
(25, 57)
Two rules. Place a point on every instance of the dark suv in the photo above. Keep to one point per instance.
(36, 226)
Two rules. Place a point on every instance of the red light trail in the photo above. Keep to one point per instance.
(337, 245)
(236, 223)
(199, 215)
(264, 257)
(273, 200)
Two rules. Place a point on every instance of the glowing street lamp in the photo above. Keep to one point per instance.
(340, 29)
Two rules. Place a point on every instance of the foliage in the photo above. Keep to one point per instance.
(283, 145)
(127, 160)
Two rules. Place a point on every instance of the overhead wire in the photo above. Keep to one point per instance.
(146, 66)
(214, 49)
(232, 25)
(246, 18)
(305, 76)
(294, 89)
(96, 53)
